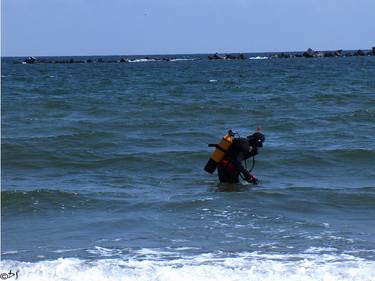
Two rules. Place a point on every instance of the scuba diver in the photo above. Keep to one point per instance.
(230, 153)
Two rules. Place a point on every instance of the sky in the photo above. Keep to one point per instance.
(139, 27)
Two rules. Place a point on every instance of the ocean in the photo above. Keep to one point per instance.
(102, 170)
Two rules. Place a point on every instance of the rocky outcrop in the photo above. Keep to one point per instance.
(309, 53)
(216, 56)
(281, 56)
(30, 60)
(329, 54)
(359, 53)
(338, 53)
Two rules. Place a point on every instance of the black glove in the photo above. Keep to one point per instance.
(251, 179)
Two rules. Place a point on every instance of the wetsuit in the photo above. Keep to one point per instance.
(230, 166)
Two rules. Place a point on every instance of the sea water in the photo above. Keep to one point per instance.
(102, 170)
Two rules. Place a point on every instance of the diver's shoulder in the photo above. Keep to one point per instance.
(240, 140)
(241, 143)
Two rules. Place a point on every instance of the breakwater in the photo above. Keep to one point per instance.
(309, 53)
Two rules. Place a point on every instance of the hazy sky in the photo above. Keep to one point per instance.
(127, 27)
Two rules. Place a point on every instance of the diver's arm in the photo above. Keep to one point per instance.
(253, 151)
(238, 163)
(245, 173)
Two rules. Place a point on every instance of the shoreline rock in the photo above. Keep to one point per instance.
(309, 53)
(216, 56)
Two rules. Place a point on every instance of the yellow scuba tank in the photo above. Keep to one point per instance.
(218, 154)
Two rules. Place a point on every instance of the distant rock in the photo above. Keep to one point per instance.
(235, 57)
(338, 53)
(359, 53)
(124, 60)
(309, 53)
(373, 51)
(329, 54)
(230, 57)
(29, 60)
(216, 56)
(284, 56)
(280, 56)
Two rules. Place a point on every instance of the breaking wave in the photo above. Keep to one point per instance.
(204, 267)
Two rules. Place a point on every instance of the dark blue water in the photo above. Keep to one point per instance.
(102, 170)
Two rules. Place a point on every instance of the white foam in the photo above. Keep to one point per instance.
(66, 250)
(181, 59)
(204, 267)
(142, 60)
(320, 250)
(104, 252)
(185, 248)
(9, 252)
(258, 58)
(150, 60)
